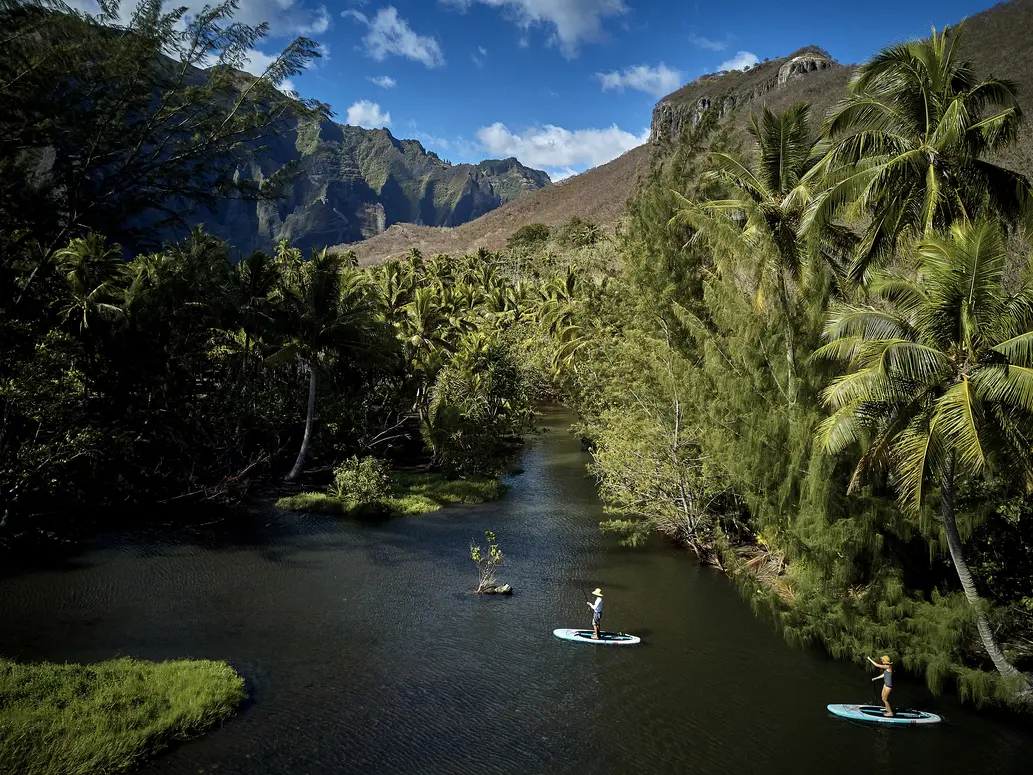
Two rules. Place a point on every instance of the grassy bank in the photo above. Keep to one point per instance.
(411, 495)
(107, 717)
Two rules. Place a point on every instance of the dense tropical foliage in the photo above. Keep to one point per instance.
(806, 354)
(813, 368)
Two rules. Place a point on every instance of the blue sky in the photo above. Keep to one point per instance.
(563, 85)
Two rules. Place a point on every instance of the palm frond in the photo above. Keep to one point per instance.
(959, 416)
(868, 323)
(1010, 386)
(916, 452)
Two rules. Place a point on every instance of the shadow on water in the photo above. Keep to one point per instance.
(365, 650)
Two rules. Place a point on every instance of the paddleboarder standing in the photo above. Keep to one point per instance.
(597, 611)
(887, 680)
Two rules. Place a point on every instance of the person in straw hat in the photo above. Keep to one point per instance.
(597, 611)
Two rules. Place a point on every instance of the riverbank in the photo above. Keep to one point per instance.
(791, 595)
(411, 494)
(107, 717)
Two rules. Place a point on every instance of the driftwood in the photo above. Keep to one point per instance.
(230, 489)
(502, 589)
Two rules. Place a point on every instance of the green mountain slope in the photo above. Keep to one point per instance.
(354, 183)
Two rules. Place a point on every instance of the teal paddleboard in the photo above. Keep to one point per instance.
(876, 713)
(605, 638)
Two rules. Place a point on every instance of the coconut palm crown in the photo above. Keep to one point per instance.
(907, 148)
(939, 379)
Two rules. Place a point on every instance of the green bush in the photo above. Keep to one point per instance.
(361, 481)
(578, 232)
(533, 235)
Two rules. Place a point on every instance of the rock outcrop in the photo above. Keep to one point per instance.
(801, 65)
(727, 91)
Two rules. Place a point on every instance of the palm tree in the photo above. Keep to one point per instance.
(939, 381)
(93, 272)
(908, 147)
(558, 308)
(394, 283)
(328, 316)
(758, 230)
(424, 335)
(252, 285)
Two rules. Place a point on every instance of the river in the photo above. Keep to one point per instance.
(364, 652)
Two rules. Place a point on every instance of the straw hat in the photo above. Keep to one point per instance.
(597, 591)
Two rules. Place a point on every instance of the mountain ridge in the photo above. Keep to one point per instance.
(601, 193)
(995, 43)
(352, 183)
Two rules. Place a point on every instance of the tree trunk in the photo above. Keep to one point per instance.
(308, 425)
(1004, 667)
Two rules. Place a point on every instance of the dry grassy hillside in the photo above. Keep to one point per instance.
(598, 194)
(996, 42)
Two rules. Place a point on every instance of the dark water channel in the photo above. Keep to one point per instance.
(364, 653)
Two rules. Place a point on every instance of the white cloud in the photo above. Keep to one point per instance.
(554, 146)
(480, 56)
(658, 81)
(711, 45)
(570, 21)
(389, 34)
(433, 141)
(256, 63)
(285, 17)
(562, 174)
(384, 81)
(740, 61)
(367, 114)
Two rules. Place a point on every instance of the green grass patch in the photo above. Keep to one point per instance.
(107, 717)
(411, 495)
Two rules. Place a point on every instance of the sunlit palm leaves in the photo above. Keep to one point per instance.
(908, 149)
(939, 379)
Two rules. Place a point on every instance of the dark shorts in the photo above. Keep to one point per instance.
(596, 618)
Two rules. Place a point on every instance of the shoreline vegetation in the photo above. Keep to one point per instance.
(410, 494)
(799, 342)
(107, 717)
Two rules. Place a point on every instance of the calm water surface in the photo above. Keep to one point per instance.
(364, 653)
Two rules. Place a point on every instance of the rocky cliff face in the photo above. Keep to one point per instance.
(727, 91)
(351, 183)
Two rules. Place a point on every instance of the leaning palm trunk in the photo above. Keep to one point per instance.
(1004, 667)
(300, 462)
